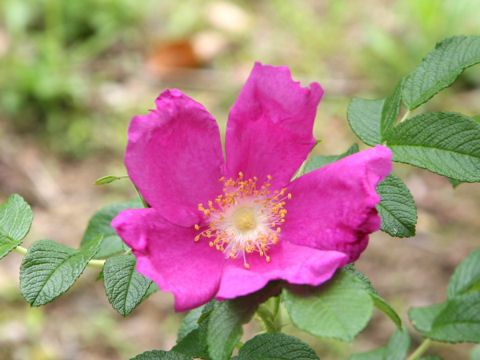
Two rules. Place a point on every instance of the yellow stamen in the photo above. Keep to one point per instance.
(245, 218)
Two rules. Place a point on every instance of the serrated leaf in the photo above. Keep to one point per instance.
(161, 355)
(456, 320)
(15, 220)
(445, 143)
(422, 317)
(125, 287)
(454, 182)
(340, 308)
(226, 320)
(390, 111)
(189, 323)
(364, 117)
(7, 245)
(396, 348)
(192, 339)
(151, 289)
(440, 68)
(397, 208)
(99, 224)
(275, 347)
(49, 269)
(466, 276)
(319, 161)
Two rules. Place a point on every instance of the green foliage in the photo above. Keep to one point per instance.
(440, 68)
(15, 220)
(319, 161)
(396, 348)
(397, 207)
(466, 276)
(446, 143)
(161, 355)
(99, 224)
(213, 330)
(275, 347)
(124, 286)
(390, 111)
(340, 308)
(50, 72)
(458, 318)
(108, 179)
(378, 301)
(364, 117)
(49, 269)
(192, 337)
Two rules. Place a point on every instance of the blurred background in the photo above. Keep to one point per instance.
(73, 73)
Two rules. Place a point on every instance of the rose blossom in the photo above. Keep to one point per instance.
(223, 229)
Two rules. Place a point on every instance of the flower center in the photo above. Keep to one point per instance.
(245, 218)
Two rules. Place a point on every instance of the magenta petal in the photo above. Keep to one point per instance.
(333, 208)
(167, 254)
(174, 156)
(269, 130)
(293, 263)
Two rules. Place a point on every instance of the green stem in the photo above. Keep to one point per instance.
(21, 250)
(93, 263)
(420, 350)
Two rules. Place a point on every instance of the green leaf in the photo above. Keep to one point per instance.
(226, 320)
(151, 289)
(430, 357)
(109, 179)
(213, 330)
(49, 269)
(192, 338)
(364, 117)
(390, 110)
(397, 207)
(15, 220)
(445, 143)
(161, 355)
(340, 308)
(125, 287)
(396, 348)
(385, 307)
(190, 323)
(99, 224)
(378, 301)
(423, 317)
(275, 347)
(456, 320)
(320, 160)
(7, 245)
(454, 182)
(466, 276)
(440, 68)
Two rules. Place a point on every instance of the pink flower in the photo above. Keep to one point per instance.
(224, 229)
